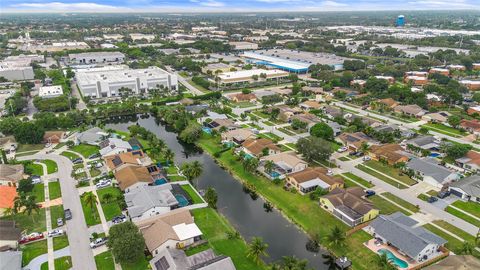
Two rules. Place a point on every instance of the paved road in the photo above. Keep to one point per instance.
(76, 93)
(78, 236)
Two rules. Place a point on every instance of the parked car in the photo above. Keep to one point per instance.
(94, 156)
(443, 194)
(342, 149)
(353, 153)
(68, 214)
(36, 179)
(77, 161)
(59, 222)
(432, 199)
(31, 237)
(103, 184)
(119, 219)
(329, 172)
(98, 165)
(98, 242)
(366, 158)
(369, 193)
(56, 232)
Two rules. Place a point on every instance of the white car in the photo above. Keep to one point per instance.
(329, 172)
(98, 242)
(56, 232)
(103, 184)
(366, 158)
(342, 149)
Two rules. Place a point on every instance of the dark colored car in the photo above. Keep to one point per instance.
(443, 194)
(432, 199)
(369, 193)
(68, 214)
(353, 153)
(77, 161)
(96, 155)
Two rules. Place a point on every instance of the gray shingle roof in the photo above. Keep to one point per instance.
(470, 185)
(148, 197)
(403, 233)
(429, 167)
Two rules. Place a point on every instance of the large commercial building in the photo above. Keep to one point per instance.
(50, 91)
(16, 70)
(106, 81)
(242, 45)
(96, 57)
(244, 76)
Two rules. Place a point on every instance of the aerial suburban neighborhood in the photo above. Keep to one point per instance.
(138, 139)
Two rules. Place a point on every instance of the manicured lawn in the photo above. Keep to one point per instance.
(391, 171)
(386, 207)
(469, 207)
(358, 179)
(33, 223)
(401, 202)
(453, 244)
(24, 154)
(69, 155)
(432, 193)
(292, 145)
(214, 228)
(29, 147)
(104, 261)
(444, 129)
(461, 215)
(55, 213)
(91, 214)
(51, 166)
(268, 123)
(63, 263)
(423, 197)
(174, 178)
(192, 194)
(85, 150)
(344, 158)
(54, 190)
(270, 136)
(171, 170)
(39, 192)
(60, 242)
(33, 250)
(140, 264)
(94, 172)
(60, 145)
(381, 177)
(458, 232)
(36, 169)
(303, 211)
(111, 208)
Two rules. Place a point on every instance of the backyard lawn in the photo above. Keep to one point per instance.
(386, 207)
(33, 223)
(85, 150)
(56, 212)
(60, 242)
(54, 190)
(192, 194)
(391, 171)
(358, 179)
(381, 176)
(303, 211)
(469, 207)
(32, 251)
(91, 214)
(69, 155)
(401, 202)
(104, 261)
(111, 208)
(51, 166)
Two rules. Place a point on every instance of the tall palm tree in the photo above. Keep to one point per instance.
(336, 237)
(18, 202)
(293, 263)
(384, 262)
(107, 197)
(30, 206)
(269, 165)
(467, 248)
(169, 156)
(90, 200)
(257, 248)
(192, 170)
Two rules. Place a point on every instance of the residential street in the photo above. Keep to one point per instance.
(77, 231)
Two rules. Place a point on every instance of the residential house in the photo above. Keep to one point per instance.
(312, 178)
(118, 161)
(284, 163)
(336, 127)
(217, 124)
(390, 79)
(407, 236)
(456, 262)
(332, 112)
(392, 153)
(428, 171)
(211, 116)
(9, 235)
(353, 141)
(147, 201)
(264, 93)
(8, 144)
(53, 136)
(415, 80)
(437, 117)
(197, 108)
(283, 91)
(240, 97)
(467, 188)
(135, 143)
(387, 103)
(133, 176)
(360, 83)
(471, 85)
(286, 112)
(310, 105)
(472, 126)
(442, 71)
(112, 146)
(456, 67)
(7, 198)
(349, 206)
(176, 259)
(11, 174)
(470, 162)
(255, 147)
(310, 119)
(426, 142)
(410, 110)
(91, 136)
(11, 260)
(175, 229)
(473, 110)
(237, 136)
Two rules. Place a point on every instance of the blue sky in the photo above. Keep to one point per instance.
(230, 5)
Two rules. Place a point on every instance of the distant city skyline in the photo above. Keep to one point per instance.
(231, 5)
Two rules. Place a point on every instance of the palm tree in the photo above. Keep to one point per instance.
(336, 237)
(257, 248)
(384, 262)
(269, 165)
(9, 212)
(192, 170)
(31, 205)
(90, 200)
(467, 248)
(169, 156)
(107, 197)
(364, 147)
(293, 263)
(329, 261)
(19, 202)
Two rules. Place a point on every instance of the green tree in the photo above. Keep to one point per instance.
(211, 197)
(384, 262)
(192, 170)
(91, 201)
(169, 155)
(329, 261)
(454, 120)
(126, 242)
(322, 130)
(191, 133)
(256, 249)
(250, 164)
(30, 205)
(457, 150)
(25, 185)
(336, 237)
(314, 148)
(269, 165)
(467, 248)
(107, 197)
(29, 133)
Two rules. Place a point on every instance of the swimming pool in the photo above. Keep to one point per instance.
(207, 130)
(274, 174)
(160, 181)
(391, 257)
(434, 155)
(182, 201)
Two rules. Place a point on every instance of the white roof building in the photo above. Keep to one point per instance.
(17, 70)
(96, 57)
(138, 36)
(247, 75)
(50, 91)
(186, 231)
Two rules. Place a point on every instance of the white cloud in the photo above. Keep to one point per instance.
(211, 3)
(278, 1)
(68, 6)
(333, 4)
(441, 3)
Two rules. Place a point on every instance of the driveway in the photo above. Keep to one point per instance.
(78, 235)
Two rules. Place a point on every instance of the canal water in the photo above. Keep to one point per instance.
(248, 216)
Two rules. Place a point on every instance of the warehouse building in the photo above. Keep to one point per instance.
(50, 91)
(245, 76)
(16, 70)
(242, 45)
(96, 57)
(106, 81)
